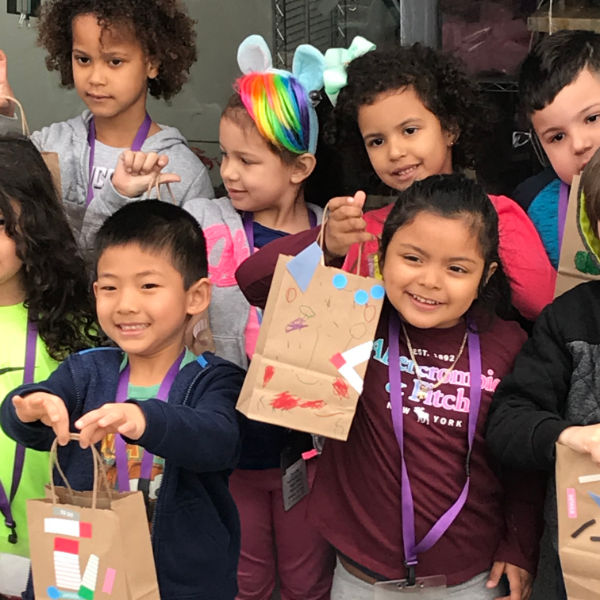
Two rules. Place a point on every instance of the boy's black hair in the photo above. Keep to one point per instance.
(442, 85)
(158, 226)
(454, 197)
(54, 276)
(553, 63)
(162, 27)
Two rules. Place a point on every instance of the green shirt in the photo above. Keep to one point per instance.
(13, 333)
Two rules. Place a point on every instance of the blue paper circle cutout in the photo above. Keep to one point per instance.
(377, 292)
(340, 281)
(361, 297)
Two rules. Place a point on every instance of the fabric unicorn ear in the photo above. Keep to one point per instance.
(253, 55)
(308, 66)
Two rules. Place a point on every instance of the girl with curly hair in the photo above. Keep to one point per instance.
(46, 312)
(114, 52)
(404, 114)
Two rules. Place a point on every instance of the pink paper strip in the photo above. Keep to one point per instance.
(571, 503)
(109, 580)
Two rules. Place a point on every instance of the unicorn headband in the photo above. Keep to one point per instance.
(278, 101)
(336, 62)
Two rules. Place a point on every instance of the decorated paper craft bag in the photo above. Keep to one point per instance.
(578, 503)
(314, 343)
(91, 545)
(580, 248)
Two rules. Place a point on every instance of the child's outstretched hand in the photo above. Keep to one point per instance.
(47, 408)
(6, 106)
(138, 171)
(345, 225)
(519, 580)
(125, 418)
(584, 439)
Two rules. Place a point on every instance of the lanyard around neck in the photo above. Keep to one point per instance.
(120, 445)
(563, 203)
(138, 142)
(28, 374)
(411, 547)
(248, 221)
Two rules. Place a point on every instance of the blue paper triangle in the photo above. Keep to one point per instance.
(302, 267)
(595, 498)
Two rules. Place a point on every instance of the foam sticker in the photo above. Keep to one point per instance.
(595, 498)
(571, 503)
(66, 563)
(64, 513)
(589, 478)
(340, 281)
(303, 266)
(90, 575)
(581, 529)
(377, 292)
(68, 527)
(109, 580)
(361, 297)
(346, 361)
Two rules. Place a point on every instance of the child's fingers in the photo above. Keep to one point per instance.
(495, 574)
(127, 157)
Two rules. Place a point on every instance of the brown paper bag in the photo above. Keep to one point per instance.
(90, 545)
(577, 262)
(313, 346)
(578, 503)
(50, 158)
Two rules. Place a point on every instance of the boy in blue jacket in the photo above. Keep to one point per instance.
(150, 396)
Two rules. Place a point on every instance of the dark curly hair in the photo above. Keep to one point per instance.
(162, 27)
(55, 279)
(455, 196)
(439, 80)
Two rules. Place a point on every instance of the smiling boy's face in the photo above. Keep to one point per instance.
(141, 301)
(569, 127)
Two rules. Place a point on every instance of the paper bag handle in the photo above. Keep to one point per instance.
(24, 124)
(98, 468)
(156, 184)
(321, 240)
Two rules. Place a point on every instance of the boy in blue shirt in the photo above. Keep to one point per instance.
(150, 279)
(559, 85)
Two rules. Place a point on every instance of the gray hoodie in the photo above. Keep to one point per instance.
(69, 140)
(227, 247)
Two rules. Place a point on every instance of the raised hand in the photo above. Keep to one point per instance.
(138, 171)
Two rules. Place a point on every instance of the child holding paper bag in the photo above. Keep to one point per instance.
(552, 393)
(394, 500)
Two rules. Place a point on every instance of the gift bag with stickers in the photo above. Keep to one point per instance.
(578, 504)
(580, 248)
(313, 346)
(90, 545)
(50, 158)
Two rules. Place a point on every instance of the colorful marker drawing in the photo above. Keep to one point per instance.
(340, 388)
(269, 372)
(286, 401)
(295, 325)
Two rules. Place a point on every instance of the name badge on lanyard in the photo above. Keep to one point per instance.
(430, 588)
(7, 500)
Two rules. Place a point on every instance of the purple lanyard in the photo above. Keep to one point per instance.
(6, 501)
(563, 203)
(120, 445)
(138, 142)
(248, 221)
(411, 547)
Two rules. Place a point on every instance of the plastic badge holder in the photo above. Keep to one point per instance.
(426, 588)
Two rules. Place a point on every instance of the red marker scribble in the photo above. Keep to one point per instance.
(269, 372)
(313, 404)
(285, 401)
(340, 388)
